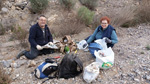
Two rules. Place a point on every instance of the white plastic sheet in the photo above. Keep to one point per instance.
(91, 72)
(102, 43)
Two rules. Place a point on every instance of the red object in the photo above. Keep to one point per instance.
(57, 57)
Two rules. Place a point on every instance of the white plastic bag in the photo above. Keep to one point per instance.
(105, 58)
(81, 43)
(91, 72)
(102, 43)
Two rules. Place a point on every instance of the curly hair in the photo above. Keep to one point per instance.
(105, 18)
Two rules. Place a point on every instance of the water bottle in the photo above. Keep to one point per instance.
(67, 50)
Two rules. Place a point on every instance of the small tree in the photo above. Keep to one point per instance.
(38, 5)
(85, 15)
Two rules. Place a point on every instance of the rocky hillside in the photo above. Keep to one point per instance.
(132, 52)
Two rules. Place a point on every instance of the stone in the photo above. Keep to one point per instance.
(6, 63)
(31, 63)
(13, 65)
(4, 10)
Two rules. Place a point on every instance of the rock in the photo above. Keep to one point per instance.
(6, 63)
(13, 64)
(21, 62)
(147, 77)
(137, 80)
(31, 63)
(21, 5)
(4, 10)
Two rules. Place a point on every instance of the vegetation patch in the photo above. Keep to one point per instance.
(85, 15)
(38, 5)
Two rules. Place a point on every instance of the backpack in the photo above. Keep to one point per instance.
(70, 66)
(46, 68)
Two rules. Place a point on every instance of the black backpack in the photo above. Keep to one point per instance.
(69, 67)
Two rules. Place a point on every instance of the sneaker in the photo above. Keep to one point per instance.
(21, 54)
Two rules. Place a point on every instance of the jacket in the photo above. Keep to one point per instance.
(36, 36)
(109, 32)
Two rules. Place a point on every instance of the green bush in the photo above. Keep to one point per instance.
(68, 4)
(85, 15)
(2, 29)
(91, 4)
(148, 47)
(38, 5)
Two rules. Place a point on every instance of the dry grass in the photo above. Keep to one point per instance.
(2, 29)
(91, 4)
(143, 11)
(67, 4)
(1, 3)
(20, 34)
(68, 27)
(4, 78)
(125, 15)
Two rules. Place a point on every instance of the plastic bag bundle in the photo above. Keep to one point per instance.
(91, 72)
(102, 43)
(105, 58)
(82, 44)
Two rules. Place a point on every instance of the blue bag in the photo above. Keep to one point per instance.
(93, 47)
(45, 69)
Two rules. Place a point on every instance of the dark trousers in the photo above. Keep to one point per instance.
(33, 53)
(108, 44)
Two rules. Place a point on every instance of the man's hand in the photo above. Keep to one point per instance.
(51, 43)
(39, 47)
(107, 40)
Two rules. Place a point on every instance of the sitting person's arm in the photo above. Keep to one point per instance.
(92, 37)
(114, 38)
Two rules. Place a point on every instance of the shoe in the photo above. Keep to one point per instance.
(21, 54)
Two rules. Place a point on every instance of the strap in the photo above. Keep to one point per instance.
(78, 61)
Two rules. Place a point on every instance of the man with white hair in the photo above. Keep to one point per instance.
(39, 35)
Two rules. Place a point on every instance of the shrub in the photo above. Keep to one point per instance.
(20, 35)
(85, 15)
(148, 47)
(4, 78)
(68, 27)
(68, 4)
(2, 29)
(91, 4)
(38, 5)
(143, 12)
(124, 16)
